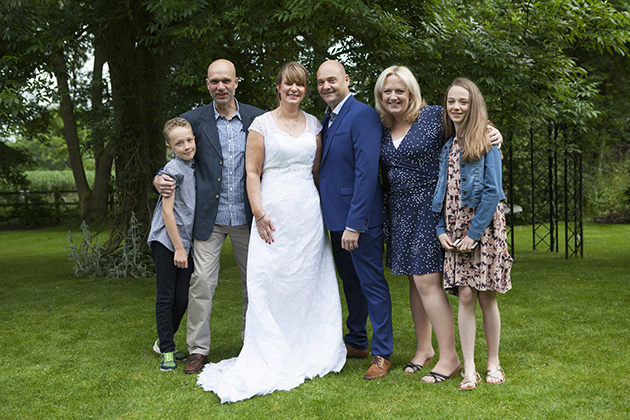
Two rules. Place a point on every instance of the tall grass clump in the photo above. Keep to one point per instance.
(55, 180)
(48, 180)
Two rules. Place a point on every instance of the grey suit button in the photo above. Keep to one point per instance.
(218, 179)
(217, 196)
(220, 162)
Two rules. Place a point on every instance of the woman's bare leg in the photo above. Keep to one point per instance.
(440, 313)
(422, 326)
(491, 326)
(467, 326)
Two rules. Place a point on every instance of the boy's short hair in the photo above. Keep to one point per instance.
(172, 124)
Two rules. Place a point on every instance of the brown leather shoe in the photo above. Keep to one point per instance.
(353, 353)
(379, 368)
(195, 363)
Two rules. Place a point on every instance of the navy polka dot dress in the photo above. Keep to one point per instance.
(410, 174)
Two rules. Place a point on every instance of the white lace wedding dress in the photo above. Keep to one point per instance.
(293, 326)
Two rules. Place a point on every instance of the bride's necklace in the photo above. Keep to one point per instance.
(286, 123)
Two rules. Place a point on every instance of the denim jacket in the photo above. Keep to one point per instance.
(481, 188)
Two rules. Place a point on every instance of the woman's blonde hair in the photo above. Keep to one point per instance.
(415, 98)
(472, 134)
(292, 72)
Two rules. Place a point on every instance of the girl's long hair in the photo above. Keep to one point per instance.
(473, 132)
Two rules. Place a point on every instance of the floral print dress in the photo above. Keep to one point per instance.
(488, 266)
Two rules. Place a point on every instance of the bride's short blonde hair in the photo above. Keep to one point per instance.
(292, 72)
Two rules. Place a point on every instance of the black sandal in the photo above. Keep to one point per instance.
(413, 368)
(438, 377)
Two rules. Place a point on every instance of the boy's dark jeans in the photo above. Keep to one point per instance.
(172, 294)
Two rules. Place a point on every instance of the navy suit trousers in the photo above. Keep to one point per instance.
(366, 291)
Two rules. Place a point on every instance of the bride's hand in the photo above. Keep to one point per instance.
(265, 228)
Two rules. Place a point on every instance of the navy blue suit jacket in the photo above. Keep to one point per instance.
(348, 176)
(208, 164)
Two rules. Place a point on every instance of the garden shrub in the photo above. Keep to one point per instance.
(90, 259)
(607, 193)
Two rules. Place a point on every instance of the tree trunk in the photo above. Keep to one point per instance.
(70, 132)
(104, 144)
(138, 78)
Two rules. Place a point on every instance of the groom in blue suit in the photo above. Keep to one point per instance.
(352, 207)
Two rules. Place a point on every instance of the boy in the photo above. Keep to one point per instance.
(170, 240)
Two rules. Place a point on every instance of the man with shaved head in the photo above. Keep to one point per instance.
(352, 206)
(222, 207)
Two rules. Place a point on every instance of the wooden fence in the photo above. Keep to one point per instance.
(24, 203)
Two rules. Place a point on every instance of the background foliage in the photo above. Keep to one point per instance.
(558, 63)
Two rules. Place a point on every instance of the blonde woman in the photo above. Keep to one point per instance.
(413, 136)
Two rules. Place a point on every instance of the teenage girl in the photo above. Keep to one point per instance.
(472, 226)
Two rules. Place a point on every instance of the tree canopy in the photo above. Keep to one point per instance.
(563, 61)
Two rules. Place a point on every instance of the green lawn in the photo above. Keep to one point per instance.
(75, 348)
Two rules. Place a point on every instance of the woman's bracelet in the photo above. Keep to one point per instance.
(260, 218)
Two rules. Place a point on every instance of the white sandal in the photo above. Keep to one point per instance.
(470, 381)
(496, 373)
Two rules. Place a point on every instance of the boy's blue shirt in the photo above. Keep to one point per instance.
(183, 173)
(481, 188)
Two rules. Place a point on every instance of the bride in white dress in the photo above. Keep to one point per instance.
(293, 326)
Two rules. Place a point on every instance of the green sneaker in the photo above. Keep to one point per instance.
(168, 361)
(179, 355)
